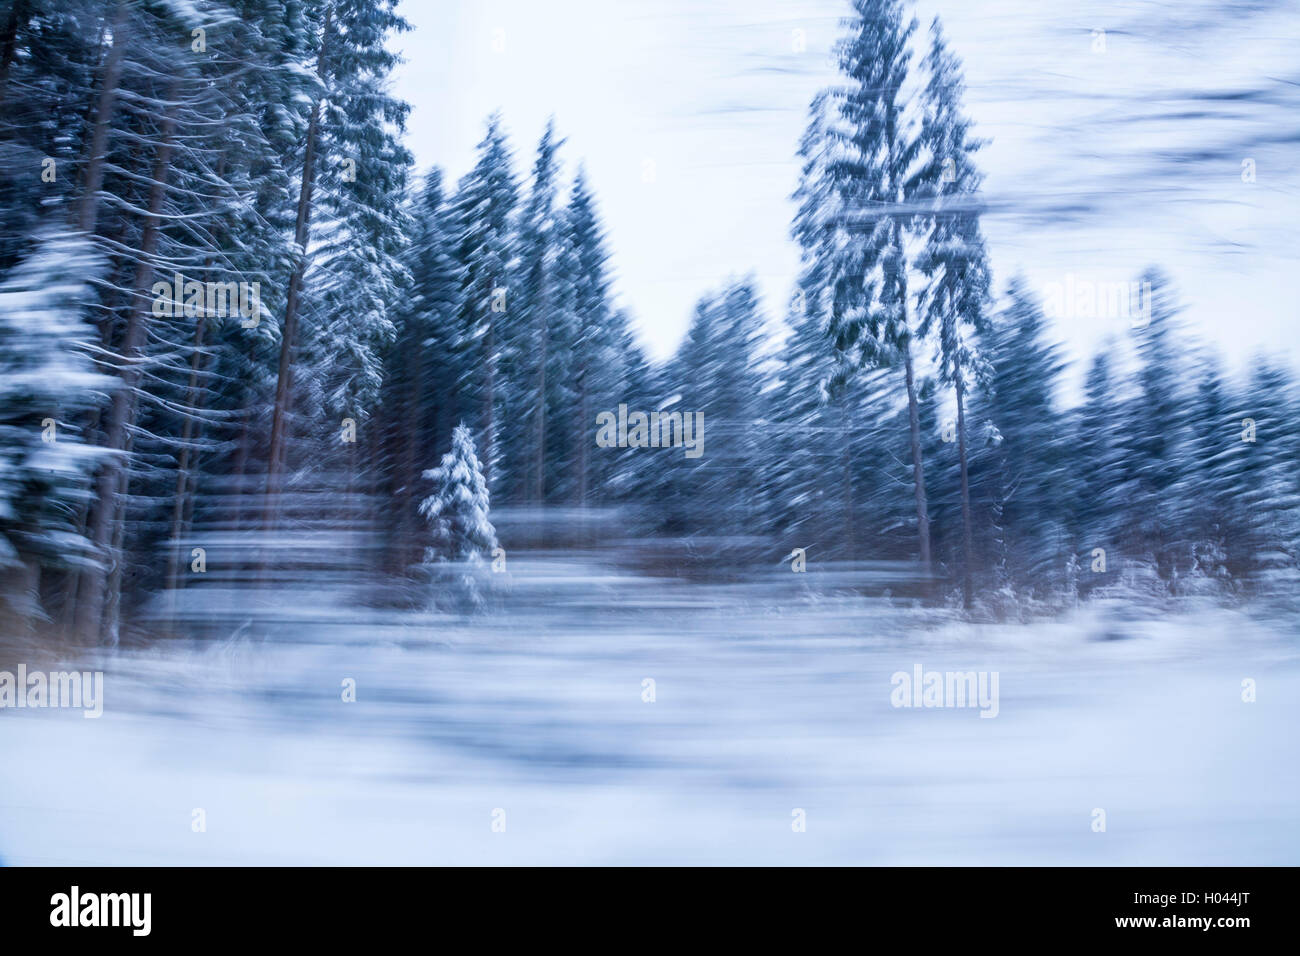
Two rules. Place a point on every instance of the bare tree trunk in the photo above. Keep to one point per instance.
(193, 398)
(72, 582)
(112, 613)
(539, 493)
(92, 623)
(239, 467)
(913, 412)
(968, 550)
(88, 214)
(289, 331)
(847, 462)
(488, 415)
(99, 119)
(353, 530)
(288, 335)
(918, 471)
(407, 549)
(583, 417)
(185, 487)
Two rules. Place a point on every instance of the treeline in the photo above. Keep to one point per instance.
(906, 415)
(507, 324)
(162, 162)
(244, 154)
(1165, 478)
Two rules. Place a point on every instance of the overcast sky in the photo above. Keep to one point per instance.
(1108, 152)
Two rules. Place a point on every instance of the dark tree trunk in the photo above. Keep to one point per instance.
(88, 214)
(92, 622)
(239, 467)
(968, 550)
(289, 331)
(918, 470)
(193, 401)
(488, 415)
(847, 529)
(539, 493)
(410, 469)
(584, 415)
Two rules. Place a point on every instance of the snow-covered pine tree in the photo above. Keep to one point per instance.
(1213, 515)
(838, 451)
(49, 58)
(821, 382)
(46, 384)
(529, 357)
(953, 258)
(357, 272)
(457, 512)
(223, 364)
(798, 409)
(102, 81)
(351, 170)
(1155, 441)
(1022, 474)
(1269, 490)
(717, 372)
(181, 177)
(486, 250)
(868, 151)
(623, 375)
(586, 278)
(419, 400)
(163, 108)
(1096, 472)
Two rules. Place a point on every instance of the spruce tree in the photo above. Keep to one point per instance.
(1268, 489)
(1023, 469)
(351, 173)
(420, 398)
(953, 259)
(716, 372)
(860, 219)
(537, 298)
(46, 385)
(486, 250)
(1097, 471)
(587, 305)
(457, 512)
(1211, 511)
(807, 409)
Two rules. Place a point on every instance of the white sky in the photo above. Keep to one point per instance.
(1101, 162)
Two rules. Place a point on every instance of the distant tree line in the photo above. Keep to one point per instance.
(904, 413)
(146, 144)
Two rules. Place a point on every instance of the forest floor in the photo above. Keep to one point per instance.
(762, 706)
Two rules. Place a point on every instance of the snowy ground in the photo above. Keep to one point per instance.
(762, 706)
